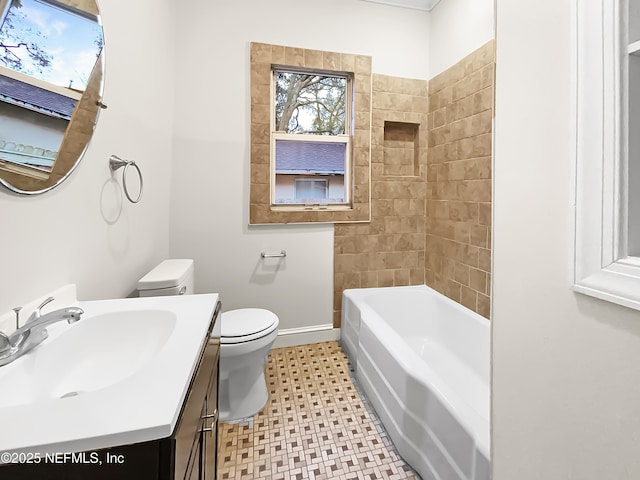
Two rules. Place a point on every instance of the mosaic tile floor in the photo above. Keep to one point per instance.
(315, 425)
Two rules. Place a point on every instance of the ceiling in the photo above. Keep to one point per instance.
(415, 4)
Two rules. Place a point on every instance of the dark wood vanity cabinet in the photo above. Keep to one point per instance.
(189, 454)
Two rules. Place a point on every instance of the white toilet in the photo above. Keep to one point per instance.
(247, 335)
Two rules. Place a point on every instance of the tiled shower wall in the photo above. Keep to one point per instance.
(458, 222)
(389, 250)
(431, 188)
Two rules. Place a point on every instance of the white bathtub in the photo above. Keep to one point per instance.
(423, 363)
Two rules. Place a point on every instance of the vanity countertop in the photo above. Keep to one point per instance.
(143, 405)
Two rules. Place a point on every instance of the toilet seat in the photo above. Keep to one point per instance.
(246, 324)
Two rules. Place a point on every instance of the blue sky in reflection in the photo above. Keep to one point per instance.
(70, 40)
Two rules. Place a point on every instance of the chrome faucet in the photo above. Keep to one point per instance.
(34, 331)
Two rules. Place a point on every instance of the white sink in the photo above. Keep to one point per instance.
(118, 376)
(89, 355)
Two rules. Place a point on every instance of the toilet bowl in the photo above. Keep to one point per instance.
(247, 336)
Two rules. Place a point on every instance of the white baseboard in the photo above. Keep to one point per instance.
(291, 337)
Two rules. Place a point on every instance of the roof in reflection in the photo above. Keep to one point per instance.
(29, 96)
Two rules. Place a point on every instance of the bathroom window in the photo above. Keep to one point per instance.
(607, 151)
(310, 136)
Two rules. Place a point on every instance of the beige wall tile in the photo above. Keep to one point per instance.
(260, 153)
(417, 276)
(461, 274)
(363, 65)
(436, 222)
(260, 193)
(294, 57)
(260, 133)
(401, 277)
(469, 298)
(260, 95)
(484, 305)
(313, 59)
(484, 214)
(478, 280)
(484, 259)
(453, 290)
(385, 278)
(259, 112)
(457, 245)
(278, 54)
(483, 100)
(260, 53)
(348, 62)
(331, 61)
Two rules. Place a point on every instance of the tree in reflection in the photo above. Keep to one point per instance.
(19, 41)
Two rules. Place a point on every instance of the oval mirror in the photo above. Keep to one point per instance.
(51, 79)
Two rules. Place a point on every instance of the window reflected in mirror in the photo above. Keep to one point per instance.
(48, 50)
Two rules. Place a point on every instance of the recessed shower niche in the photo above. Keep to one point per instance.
(401, 149)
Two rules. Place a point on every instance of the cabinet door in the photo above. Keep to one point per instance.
(210, 435)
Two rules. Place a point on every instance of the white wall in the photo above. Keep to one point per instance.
(210, 187)
(566, 367)
(71, 235)
(457, 28)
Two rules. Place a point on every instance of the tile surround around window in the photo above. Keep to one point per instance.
(263, 57)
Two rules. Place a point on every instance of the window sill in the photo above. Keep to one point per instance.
(617, 283)
(307, 208)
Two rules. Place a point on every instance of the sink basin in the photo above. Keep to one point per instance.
(92, 354)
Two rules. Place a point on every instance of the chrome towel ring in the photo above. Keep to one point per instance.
(115, 163)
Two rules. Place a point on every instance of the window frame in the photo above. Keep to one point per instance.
(346, 138)
(602, 267)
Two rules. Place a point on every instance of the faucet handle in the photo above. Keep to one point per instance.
(48, 300)
(36, 314)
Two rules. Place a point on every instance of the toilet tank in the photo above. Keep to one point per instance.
(171, 277)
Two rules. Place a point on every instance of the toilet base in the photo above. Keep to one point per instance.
(243, 393)
(242, 422)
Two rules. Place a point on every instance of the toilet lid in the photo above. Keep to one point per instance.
(238, 325)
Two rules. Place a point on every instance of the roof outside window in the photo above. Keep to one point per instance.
(296, 157)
